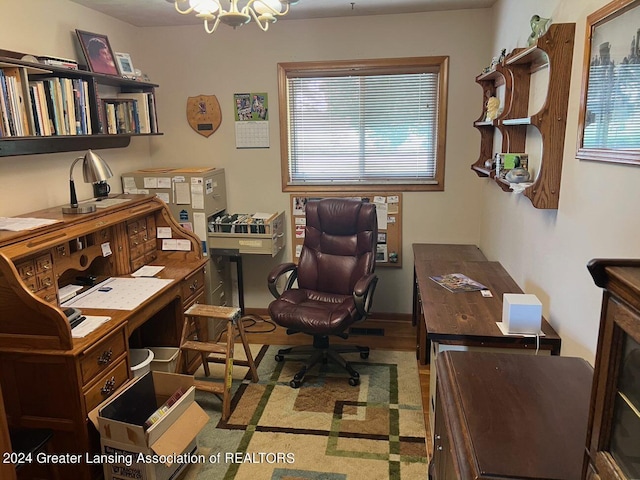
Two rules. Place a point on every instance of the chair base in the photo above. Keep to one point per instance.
(321, 352)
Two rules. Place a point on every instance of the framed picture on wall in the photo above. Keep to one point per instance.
(609, 122)
(97, 51)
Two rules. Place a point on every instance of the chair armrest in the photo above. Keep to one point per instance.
(363, 293)
(277, 272)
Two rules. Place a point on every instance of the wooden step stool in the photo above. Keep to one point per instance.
(212, 352)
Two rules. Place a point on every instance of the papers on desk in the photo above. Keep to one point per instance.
(458, 282)
(88, 325)
(119, 293)
(147, 271)
(109, 202)
(15, 224)
(69, 291)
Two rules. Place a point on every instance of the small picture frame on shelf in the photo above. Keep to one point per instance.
(125, 65)
(97, 51)
(505, 162)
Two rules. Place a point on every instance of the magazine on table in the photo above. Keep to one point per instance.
(458, 282)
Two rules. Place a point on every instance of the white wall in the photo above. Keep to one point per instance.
(188, 62)
(546, 252)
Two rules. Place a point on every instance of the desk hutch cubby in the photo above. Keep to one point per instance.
(51, 379)
(553, 51)
(83, 108)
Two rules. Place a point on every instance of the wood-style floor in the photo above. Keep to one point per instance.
(398, 335)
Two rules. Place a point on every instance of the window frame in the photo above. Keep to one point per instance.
(435, 64)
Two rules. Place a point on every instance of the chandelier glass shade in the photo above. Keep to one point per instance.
(264, 12)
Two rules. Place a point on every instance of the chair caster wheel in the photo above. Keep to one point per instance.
(279, 358)
(295, 383)
(354, 381)
(364, 355)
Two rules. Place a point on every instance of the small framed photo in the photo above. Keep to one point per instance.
(98, 53)
(125, 65)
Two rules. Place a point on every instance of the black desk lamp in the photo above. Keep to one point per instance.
(94, 169)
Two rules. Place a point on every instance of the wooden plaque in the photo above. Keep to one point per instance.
(204, 114)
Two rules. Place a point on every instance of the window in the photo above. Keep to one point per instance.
(373, 124)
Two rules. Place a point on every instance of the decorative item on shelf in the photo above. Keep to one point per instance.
(125, 65)
(493, 109)
(97, 51)
(517, 175)
(495, 61)
(489, 163)
(94, 170)
(264, 12)
(539, 27)
(505, 162)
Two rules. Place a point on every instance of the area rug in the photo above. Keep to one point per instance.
(326, 429)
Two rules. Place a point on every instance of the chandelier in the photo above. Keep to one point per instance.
(264, 12)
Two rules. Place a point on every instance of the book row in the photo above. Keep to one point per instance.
(63, 106)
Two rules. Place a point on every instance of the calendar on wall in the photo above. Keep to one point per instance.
(252, 134)
(252, 120)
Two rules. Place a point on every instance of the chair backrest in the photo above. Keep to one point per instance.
(339, 246)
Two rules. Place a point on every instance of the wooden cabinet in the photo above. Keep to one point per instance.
(553, 51)
(501, 416)
(613, 442)
(59, 110)
(51, 379)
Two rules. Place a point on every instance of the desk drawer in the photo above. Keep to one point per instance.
(101, 357)
(106, 385)
(192, 285)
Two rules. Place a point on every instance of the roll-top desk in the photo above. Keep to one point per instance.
(52, 380)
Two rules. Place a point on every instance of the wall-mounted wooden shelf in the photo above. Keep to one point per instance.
(553, 50)
(91, 132)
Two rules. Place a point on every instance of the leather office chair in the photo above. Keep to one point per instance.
(335, 281)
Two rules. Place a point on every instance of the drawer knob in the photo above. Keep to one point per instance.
(105, 358)
(194, 286)
(109, 386)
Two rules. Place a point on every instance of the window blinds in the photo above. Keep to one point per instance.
(363, 129)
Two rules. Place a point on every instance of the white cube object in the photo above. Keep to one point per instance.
(521, 313)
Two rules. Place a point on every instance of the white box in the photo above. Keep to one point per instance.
(123, 436)
(521, 313)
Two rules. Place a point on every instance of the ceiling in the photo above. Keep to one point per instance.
(156, 13)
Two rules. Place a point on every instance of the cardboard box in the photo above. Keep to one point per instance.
(521, 313)
(168, 442)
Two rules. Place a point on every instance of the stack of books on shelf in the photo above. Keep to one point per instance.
(49, 106)
(129, 113)
(14, 121)
(60, 106)
(59, 62)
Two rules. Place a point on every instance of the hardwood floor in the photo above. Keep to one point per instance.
(396, 335)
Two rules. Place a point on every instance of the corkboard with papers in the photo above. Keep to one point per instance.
(388, 207)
